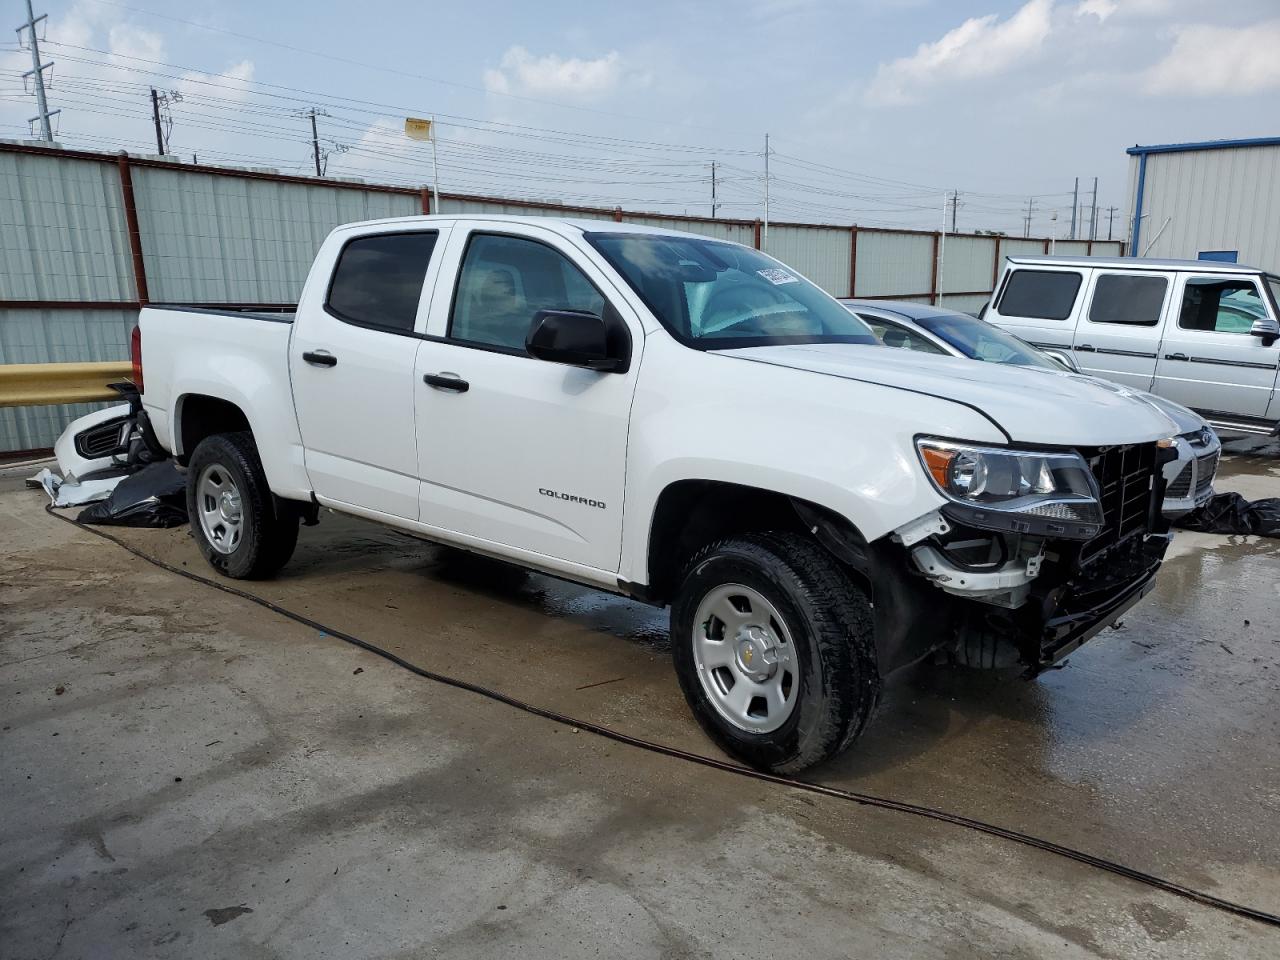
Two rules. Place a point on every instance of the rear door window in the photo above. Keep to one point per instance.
(1128, 299)
(378, 280)
(1040, 294)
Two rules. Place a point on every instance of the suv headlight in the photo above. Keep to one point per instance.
(1022, 491)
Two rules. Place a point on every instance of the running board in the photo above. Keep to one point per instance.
(1258, 428)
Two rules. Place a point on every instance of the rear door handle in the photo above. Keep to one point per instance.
(1084, 347)
(1175, 356)
(320, 358)
(446, 381)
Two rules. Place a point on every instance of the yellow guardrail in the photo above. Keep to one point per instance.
(32, 384)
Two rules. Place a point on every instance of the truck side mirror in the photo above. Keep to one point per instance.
(1266, 329)
(579, 339)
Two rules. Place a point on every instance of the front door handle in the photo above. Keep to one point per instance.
(320, 358)
(446, 381)
(1175, 356)
(1084, 347)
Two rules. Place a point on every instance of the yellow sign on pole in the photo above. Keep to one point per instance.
(416, 129)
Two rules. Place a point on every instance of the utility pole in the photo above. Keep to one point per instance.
(955, 206)
(1075, 206)
(315, 141)
(155, 117)
(37, 74)
(713, 189)
(1026, 221)
(1093, 216)
(1111, 219)
(764, 237)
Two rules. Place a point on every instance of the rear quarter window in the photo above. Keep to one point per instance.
(1040, 294)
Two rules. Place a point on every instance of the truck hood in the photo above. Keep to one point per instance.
(1030, 405)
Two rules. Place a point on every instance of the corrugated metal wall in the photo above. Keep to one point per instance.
(1219, 199)
(208, 238)
(894, 264)
(822, 255)
(63, 230)
(248, 237)
(967, 264)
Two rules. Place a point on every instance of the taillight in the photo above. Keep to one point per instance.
(135, 354)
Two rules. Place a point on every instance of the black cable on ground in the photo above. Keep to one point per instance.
(882, 803)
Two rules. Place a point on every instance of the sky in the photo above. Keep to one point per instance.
(876, 110)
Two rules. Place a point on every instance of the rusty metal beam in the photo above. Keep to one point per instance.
(853, 261)
(933, 281)
(131, 228)
(134, 305)
(925, 296)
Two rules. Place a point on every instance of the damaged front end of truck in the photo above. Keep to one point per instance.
(1032, 554)
(1039, 551)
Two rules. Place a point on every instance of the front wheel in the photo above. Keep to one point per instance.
(240, 527)
(774, 649)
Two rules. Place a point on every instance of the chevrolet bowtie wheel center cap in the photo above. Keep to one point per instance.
(757, 654)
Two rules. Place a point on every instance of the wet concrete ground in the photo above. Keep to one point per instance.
(328, 812)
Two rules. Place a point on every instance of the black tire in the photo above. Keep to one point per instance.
(269, 527)
(830, 621)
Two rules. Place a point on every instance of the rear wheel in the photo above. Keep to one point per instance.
(241, 528)
(774, 648)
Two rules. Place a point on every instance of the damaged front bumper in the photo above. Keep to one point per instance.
(1027, 600)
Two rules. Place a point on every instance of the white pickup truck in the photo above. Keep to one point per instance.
(683, 421)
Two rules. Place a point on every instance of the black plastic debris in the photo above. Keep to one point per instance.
(155, 496)
(1232, 513)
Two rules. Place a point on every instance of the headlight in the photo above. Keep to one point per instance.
(1019, 490)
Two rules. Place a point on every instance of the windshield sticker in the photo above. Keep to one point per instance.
(777, 277)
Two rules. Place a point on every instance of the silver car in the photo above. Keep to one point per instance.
(928, 329)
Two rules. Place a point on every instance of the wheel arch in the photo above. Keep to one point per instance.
(691, 513)
(201, 415)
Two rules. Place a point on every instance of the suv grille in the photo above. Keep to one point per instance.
(1124, 476)
(1206, 469)
(1181, 486)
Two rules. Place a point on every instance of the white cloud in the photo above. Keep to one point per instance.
(232, 83)
(125, 41)
(553, 76)
(981, 46)
(1098, 8)
(1207, 60)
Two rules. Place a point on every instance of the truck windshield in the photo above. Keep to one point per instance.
(717, 296)
(980, 340)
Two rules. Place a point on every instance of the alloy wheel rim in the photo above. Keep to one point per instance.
(746, 659)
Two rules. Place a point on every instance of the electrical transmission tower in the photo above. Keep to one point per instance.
(37, 74)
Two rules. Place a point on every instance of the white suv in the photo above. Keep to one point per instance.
(1204, 334)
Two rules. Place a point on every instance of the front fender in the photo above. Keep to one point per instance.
(841, 444)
